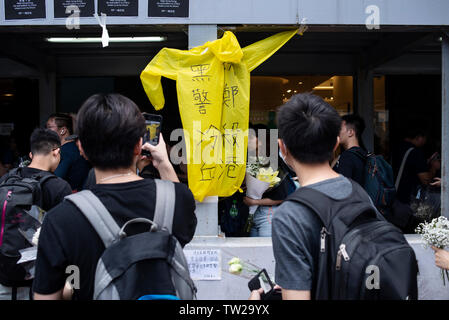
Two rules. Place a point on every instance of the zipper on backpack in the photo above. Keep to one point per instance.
(341, 253)
(323, 239)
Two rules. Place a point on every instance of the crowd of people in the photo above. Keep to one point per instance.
(102, 153)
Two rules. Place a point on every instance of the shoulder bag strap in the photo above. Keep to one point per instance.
(401, 169)
(97, 214)
(165, 204)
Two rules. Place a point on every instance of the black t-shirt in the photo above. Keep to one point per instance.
(91, 180)
(53, 190)
(67, 237)
(416, 163)
(352, 165)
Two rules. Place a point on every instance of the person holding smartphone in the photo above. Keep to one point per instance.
(114, 155)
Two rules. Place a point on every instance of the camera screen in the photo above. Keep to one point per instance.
(264, 283)
(152, 132)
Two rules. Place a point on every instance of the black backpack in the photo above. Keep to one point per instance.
(233, 225)
(362, 256)
(378, 180)
(380, 186)
(124, 269)
(21, 203)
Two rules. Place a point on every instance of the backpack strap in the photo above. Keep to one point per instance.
(325, 207)
(357, 152)
(314, 200)
(43, 177)
(164, 209)
(13, 173)
(97, 214)
(401, 169)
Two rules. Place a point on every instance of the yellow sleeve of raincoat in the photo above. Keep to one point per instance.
(258, 52)
(165, 63)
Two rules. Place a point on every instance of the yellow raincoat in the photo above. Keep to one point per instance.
(213, 83)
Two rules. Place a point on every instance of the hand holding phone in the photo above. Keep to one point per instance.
(262, 280)
(158, 153)
(153, 126)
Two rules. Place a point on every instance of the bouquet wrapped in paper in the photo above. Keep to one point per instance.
(436, 233)
(259, 178)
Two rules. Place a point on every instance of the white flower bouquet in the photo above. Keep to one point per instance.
(259, 178)
(436, 233)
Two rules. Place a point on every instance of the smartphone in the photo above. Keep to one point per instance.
(262, 280)
(153, 126)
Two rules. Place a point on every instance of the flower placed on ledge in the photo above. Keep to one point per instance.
(436, 233)
(234, 260)
(237, 266)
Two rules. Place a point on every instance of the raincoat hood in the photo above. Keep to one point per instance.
(226, 49)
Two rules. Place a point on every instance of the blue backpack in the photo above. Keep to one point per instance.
(378, 180)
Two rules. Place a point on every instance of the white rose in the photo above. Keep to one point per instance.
(234, 260)
(235, 268)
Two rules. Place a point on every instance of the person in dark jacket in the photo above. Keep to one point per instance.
(351, 162)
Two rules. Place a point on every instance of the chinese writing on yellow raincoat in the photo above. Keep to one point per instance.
(213, 83)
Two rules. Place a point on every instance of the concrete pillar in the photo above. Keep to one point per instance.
(206, 211)
(201, 33)
(47, 95)
(445, 126)
(365, 105)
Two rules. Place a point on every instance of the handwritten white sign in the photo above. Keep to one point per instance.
(204, 264)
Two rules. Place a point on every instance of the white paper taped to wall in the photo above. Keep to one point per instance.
(204, 264)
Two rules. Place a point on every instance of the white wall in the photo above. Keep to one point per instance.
(259, 252)
(330, 12)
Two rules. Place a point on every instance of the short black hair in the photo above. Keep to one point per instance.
(43, 141)
(309, 128)
(63, 120)
(109, 126)
(356, 123)
(413, 130)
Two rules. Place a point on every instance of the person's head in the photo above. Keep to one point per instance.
(45, 149)
(60, 123)
(254, 143)
(352, 128)
(110, 128)
(416, 135)
(308, 129)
